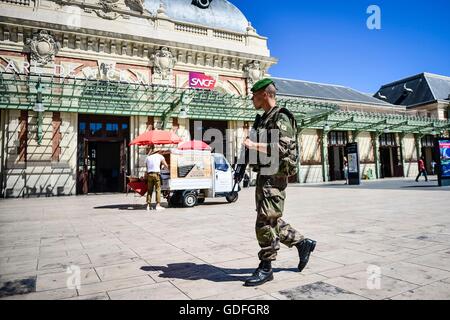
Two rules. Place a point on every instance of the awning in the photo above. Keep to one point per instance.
(377, 122)
(19, 91)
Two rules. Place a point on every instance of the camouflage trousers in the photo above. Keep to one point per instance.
(270, 228)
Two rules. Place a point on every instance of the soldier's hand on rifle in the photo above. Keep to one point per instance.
(249, 144)
(260, 147)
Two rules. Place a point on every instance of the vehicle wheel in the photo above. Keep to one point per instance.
(189, 199)
(201, 200)
(232, 197)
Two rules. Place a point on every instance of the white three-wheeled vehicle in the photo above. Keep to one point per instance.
(195, 175)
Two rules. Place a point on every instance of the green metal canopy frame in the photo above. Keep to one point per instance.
(377, 122)
(20, 91)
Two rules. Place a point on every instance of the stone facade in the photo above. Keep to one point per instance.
(122, 40)
(117, 40)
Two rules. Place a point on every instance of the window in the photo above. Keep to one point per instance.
(337, 138)
(388, 140)
(112, 127)
(95, 127)
(220, 163)
(428, 141)
(82, 128)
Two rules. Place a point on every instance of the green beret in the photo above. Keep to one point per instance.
(261, 84)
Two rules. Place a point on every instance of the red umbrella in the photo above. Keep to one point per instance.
(156, 137)
(194, 145)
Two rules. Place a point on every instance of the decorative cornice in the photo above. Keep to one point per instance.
(84, 46)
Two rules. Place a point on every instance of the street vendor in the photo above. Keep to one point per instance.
(154, 162)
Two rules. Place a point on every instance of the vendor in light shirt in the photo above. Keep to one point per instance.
(154, 162)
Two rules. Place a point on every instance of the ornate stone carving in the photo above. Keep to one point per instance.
(163, 62)
(253, 72)
(137, 5)
(107, 11)
(43, 47)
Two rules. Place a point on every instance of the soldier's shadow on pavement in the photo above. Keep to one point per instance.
(193, 271)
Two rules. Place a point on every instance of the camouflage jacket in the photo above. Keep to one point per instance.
(283, 121)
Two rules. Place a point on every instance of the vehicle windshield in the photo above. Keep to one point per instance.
(220, 163)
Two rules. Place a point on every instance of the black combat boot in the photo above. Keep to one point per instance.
(261, 275)
(305, 247)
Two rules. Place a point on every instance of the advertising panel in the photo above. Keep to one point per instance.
(444, 153)
(199, 80)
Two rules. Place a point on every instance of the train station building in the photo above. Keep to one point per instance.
(80, 79)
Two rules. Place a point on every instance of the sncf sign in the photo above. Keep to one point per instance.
(199, 80)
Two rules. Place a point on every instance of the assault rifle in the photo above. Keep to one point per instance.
(244, 157)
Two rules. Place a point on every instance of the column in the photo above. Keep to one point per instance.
(402, 152)
(324, 147)
(376, 149)
(418, 144)
(299, 165)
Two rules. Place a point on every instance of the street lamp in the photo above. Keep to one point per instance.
(39, 109)
(386, 130)
(183, 112)
(326, 127)
(186, 99)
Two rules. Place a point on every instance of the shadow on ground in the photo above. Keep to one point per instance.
(382, 184)
(144, 206)
(193, 271)
(123, 206)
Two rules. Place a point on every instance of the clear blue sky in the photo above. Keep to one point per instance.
(328, 41)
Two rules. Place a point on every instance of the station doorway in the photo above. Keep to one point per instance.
(427, 153)
(102, 154)
(198, 130)
(390, 157)
(337, 141)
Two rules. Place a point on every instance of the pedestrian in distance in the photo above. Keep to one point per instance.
(346, 170)
(422, 169)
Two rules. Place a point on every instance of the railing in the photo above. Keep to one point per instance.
(181, 27)
(19, 2)
(228, 36)
(191, 29)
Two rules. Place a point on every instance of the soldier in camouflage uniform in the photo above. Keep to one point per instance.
(270, 188)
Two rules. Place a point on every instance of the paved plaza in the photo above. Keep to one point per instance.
(385, 239)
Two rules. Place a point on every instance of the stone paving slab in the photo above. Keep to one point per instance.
(358, 283)
(157, 291)
(434, 291)
(413, 273)
(317, 291)
(125, 252)
(58, 280)
(112, 285)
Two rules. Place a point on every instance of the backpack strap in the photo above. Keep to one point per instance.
(290, 115)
